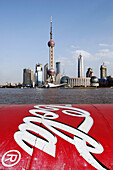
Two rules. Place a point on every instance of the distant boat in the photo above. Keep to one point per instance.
(51, 85)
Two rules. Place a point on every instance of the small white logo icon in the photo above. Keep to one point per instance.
(11, 158)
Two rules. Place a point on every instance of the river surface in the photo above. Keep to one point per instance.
(56, 96)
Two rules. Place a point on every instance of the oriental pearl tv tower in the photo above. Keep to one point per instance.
(51, 44)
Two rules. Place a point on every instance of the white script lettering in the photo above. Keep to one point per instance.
(43, 138)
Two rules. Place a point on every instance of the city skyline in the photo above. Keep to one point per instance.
(80, 27)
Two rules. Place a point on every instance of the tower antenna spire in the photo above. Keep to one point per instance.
(51, 30)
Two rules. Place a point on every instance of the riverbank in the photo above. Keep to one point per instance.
(89, 87)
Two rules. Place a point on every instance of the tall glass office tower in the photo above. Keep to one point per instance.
(80, 66)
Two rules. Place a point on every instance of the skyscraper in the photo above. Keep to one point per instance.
(45, 72)
(32, 78)
(58, 73)
(28, 77)
(80, 66)
(38, 75)
(51, 45)
(89, 72)
(103, 71)
(57, 68)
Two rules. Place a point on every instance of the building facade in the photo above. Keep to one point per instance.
(38, 75)
(32, 78)
(80, 67)
(110, 81)
(58, 65)
(79, 82)
(103, 71)
(28, 77)
(45, 72)
(58, 73)
(89, 72)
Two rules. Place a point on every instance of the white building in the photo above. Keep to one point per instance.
(38, 75)
(80, 66)
(103, 71)
(74, 82)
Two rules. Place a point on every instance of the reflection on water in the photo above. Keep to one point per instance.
(56, 96)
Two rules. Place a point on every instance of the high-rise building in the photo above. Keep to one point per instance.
(51, 44)
(32, 78)
(38, 75)
(28, 77)
(58, 73)
(45, 72)
(58, 68)
(103, 71)
(89, 72)
(80, 67)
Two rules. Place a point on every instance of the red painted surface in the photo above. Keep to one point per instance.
(58, 129)
(51, 43)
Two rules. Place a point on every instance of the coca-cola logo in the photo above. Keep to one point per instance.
(46, 115)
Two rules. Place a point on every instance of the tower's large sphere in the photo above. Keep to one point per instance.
(51, 72)
(51, 43)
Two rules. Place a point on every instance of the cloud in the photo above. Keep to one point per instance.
(74, 47)
(69, 63)
(104, 53)
(104, 50)
(103, 45)
(107, 63)
(65, 61)
(85, 54)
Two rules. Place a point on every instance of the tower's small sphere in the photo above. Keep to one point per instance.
(51, 72)
(51, 43)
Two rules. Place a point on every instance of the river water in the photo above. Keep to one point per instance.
(56, 96)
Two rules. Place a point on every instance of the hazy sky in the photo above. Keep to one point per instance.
(79, 26)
